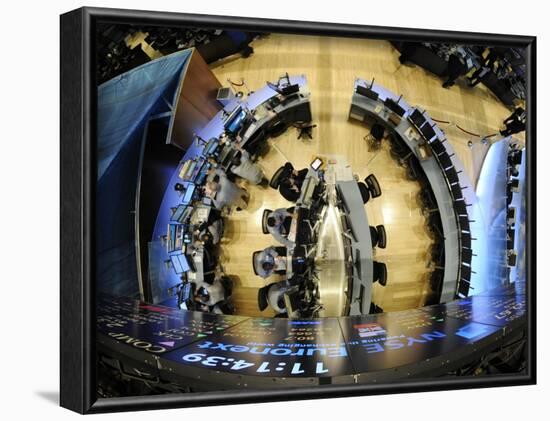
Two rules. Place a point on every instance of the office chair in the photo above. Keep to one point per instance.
(365, 192)
(374, 186)
(381, 236)
(414, 170)
(256, 253)
(274, 182)
(375, 137)
(436, 279)
(434, 224)
(374, 309)
(380, 273)
(427, 199)
(262, 297)
(373, 235)
(399, 150)
(265, 215)
(437, 254)
(277, 129)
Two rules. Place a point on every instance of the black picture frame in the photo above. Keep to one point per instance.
(78, 163)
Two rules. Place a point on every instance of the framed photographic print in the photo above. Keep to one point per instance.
(251, 206)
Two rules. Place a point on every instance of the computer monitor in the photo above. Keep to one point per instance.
(366, 92)
(179, 214)
(395, 107)
(290, 89)
(316, 164)
(427, 131)
(233, 123)
(417, 118)
(188, 196)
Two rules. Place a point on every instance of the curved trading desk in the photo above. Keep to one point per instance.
(445, 175)
(255, 118)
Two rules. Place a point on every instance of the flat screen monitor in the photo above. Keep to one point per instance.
(290, 89)
(179, 214)
(233, 123)
(188, 196)
(427, 131)
(417, 118)
(316, 164)
(395, 107)
(366, 92)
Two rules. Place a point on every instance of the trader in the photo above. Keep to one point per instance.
(278, 225)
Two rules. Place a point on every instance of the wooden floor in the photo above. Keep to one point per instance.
(331, 65)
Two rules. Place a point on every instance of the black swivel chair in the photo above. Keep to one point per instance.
(376, 136)
(254, 261)
(437, 254)
(374, 186)
(380, 273)
(399, 149)
(381, 236)
(436, 279)
(374, 309)
(373, 235)
(274, 182)
(365, 192)
(265, 215)
(277, 128)
(262, 298)
(414, 170)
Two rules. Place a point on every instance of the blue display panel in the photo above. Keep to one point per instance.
(272, 347)
(391, 340)
(497, 310)
(156, 329)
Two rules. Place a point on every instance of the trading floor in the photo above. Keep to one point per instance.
(331, 64)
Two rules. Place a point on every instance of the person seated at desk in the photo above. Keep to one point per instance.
(243, 166)
(211, 295)
(224, 193)
(278, 225)
(210, 233)
(269, 261)
(515, 123)
(290, 182)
